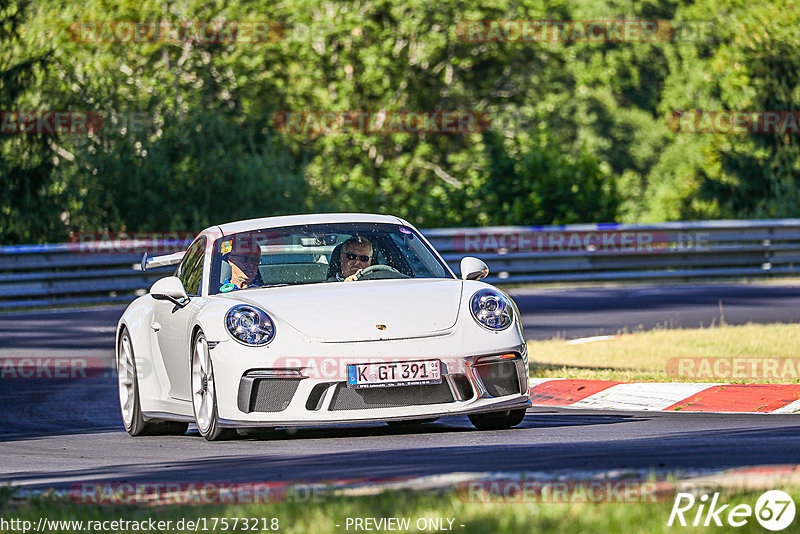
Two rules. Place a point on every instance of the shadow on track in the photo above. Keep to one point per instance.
(452, 424)
(682, 450)
(50, 407)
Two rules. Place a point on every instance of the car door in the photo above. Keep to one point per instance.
(171, 323)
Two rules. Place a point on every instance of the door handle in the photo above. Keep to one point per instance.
(155, 326)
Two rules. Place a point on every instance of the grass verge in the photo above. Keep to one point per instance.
(644, 356)
(323, 517)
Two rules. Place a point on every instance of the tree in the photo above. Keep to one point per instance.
(30, 200)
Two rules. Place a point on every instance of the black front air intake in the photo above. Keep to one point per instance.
(266, 394)
(499, 378)
(463, 386)
(345, 398)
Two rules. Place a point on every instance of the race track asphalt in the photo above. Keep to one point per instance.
(58, 432)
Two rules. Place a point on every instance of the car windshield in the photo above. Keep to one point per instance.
(319, 253)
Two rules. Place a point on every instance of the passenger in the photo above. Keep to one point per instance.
(244, 261)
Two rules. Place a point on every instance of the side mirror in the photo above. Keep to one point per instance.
(473, 269)
(171, 289)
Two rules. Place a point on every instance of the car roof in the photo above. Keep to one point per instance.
(294, 220)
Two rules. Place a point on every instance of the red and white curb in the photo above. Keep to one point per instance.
(665, 396)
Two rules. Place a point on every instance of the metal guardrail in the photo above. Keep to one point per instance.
(680, 251)
(36, 276)
(68, 274)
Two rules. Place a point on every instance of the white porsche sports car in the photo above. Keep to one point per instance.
(318, 319)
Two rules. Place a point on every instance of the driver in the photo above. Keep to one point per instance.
(355, 256)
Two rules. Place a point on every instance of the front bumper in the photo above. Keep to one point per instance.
(313, 393)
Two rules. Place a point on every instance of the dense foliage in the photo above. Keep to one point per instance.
(579, 130)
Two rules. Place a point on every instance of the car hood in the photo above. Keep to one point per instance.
(339, 312)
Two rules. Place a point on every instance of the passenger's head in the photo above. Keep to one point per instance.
(356, 253)
(244, 258)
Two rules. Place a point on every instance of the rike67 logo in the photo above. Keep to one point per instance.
(774, 510)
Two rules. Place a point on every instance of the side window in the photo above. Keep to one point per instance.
(191, 269)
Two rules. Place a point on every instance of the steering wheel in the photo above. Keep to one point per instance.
(377, 272)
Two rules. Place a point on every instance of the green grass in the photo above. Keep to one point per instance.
(480, 518)
(643, 356)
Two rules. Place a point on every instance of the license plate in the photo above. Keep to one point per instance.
(382, 375)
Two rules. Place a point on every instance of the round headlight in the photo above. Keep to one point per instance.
(492, 309)
(249, 325)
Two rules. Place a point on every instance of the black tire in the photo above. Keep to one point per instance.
(412, 422)
(497, 420)
(214, 432)
(138, 426)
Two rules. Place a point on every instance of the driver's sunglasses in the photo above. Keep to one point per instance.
(350, 256)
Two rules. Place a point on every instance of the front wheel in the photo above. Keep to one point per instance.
(128, 381)
(497, 420)
(204, 393)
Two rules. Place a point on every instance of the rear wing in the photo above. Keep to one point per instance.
(159, 261)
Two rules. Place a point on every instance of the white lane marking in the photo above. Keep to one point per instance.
(641, 396)
(537, 381)
(582, 340)
(792, 407)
